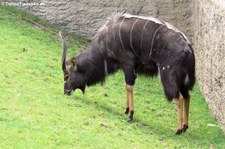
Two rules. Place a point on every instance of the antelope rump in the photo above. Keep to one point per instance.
(137, 45)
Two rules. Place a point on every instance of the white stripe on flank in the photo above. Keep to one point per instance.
(170, 26)
(113, 30)
(131, 44)
(105, 65)
(142, 34)
(120, 35)
(153, 38)
(186, 80)
(107, 38)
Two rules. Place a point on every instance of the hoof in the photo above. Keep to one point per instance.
(127, 110)
(130, 119)
(131, 116)
(185, 127)
(179, 131)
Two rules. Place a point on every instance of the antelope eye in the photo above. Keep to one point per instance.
(66, 77)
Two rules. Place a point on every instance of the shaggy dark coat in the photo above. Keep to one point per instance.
(136, 44)
(140, 45)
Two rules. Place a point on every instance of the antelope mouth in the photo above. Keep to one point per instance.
(69, 92)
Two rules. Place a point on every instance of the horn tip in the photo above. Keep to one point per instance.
(60, 34)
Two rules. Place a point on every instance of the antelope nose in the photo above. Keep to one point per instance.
(68, 92)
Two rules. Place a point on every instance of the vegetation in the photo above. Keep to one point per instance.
(36, 114)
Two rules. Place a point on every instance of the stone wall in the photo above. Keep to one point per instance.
(209, 39)
(202, 20)
(86, 17)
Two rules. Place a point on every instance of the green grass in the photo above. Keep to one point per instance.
(34, 113)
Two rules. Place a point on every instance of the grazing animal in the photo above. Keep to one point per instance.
(136, 44)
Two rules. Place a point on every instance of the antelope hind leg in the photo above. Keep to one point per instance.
(186, 112)
(179, 104)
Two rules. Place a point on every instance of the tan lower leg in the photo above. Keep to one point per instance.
(179, 103)
(130, 102)
(186, 109)
(127, 102)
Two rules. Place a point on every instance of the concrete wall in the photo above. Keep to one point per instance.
(202, 20)
(209, 39)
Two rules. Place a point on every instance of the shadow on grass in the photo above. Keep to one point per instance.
(193, 136)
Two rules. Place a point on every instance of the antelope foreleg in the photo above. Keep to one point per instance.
(130, 102)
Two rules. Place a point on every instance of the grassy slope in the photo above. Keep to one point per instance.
(36, 114)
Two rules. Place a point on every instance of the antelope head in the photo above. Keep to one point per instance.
(73, 78)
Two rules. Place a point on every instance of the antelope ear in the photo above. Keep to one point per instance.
(73, 62)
